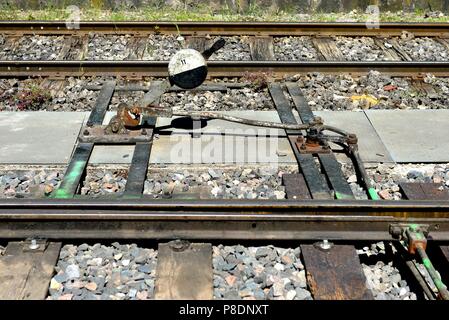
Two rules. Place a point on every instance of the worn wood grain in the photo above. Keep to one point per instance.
(399, 50)
(424, 191)
(390, 53)
(261, 48)
(186, 274)
(327, 49)
(295, 186)
(198, 43)
(26, 275)
(335, 274)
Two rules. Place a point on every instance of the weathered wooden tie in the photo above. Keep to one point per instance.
(327, 49)
(25, 274)
(390, 53)
(184, 271)
(424, 191)
(295, 186)
(335, 274)
(261, 48)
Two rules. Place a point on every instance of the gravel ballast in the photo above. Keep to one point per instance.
(161, 47)
(32, 48)
(383, 278)
(108, 47)
(233, 99)
(98, 272)
(360, 49)
(235, 49)
(31, 183)
(212, 183)
(294, 49)
(386, 179)
(424, 49)
(375, 91)
(259, 273)
(239, 182)
(128, 272)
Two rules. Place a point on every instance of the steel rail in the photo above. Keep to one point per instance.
(217, 219)
(224, 28)
(216, 68)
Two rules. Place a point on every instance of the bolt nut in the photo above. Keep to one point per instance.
(33, 245)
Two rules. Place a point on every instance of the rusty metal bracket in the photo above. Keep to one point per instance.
(311, 144)
(415, 235)
(102, 135)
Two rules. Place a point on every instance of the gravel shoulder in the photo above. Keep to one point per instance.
(294, 48)
(375, 91)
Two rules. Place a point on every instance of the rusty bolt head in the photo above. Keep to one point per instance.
(318, 120)
(352, 138)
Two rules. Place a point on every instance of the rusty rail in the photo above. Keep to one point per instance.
(217, 219)
(224, 28)
(139, 69)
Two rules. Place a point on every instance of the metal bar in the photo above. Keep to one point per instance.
(333, 172)
(300, 102)
(282, 106)
(442, 289)
(225, 28)
(188, 227)
(138, 69)
(295, 186)
(102, 103)
(315, 181)
(138, 170)
(203, 87)
(335, 274)
(81, 155)
(386, 207)
(75, 171)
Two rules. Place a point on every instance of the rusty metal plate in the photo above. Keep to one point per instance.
(424, 191)
(184, 271)
(335, 274)
(96, 134)
(295, 186)
(26, 275)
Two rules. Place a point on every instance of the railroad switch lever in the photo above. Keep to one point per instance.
(414, 235)
(220, 43)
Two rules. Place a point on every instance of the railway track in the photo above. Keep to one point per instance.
(260, 48)
(217, 69)
(224, 28)
(320, 205)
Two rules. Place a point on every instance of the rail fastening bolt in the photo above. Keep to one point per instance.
(34, 245)
(325, 245)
